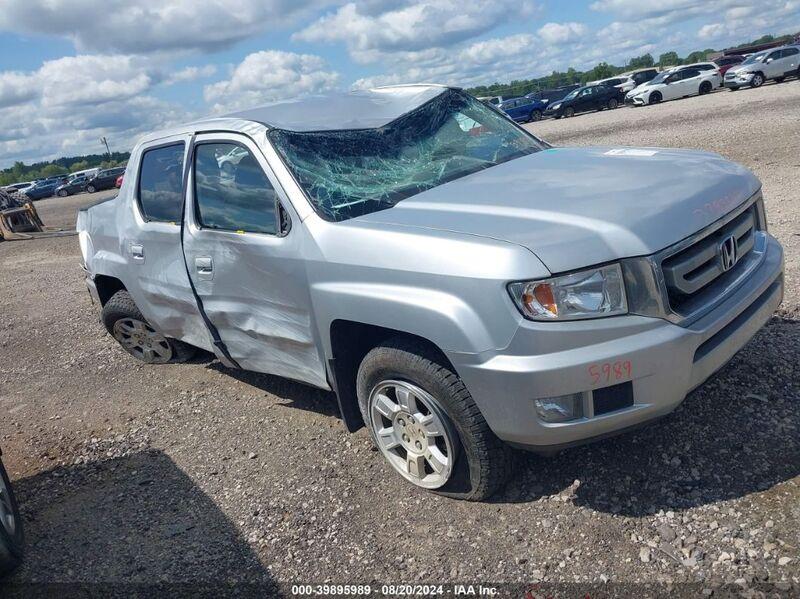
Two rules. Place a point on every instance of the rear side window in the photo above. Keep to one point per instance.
(161, 183)
(790, 52)
(232, 193)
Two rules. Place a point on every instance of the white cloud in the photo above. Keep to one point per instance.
(270, 75)
(190, 74)
(711, 31)
(372, 31)
(561, 33)
(16, 88)
(145, 26)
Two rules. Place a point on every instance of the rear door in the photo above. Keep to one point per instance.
(246, 261)
(150, 236)
(790, 61)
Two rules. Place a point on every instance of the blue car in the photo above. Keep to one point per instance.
(524, 109)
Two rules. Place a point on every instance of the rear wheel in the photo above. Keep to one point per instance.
(780, 79)
(11, 535)
(90, 188)
(425, 423)
(655, 98)
(757, 81)
(126, 324)
(536, 115)
(62, 193)
(705, 88)
(612, 104)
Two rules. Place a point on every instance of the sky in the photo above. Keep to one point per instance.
(73, 71)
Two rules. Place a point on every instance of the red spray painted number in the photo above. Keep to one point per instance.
(611, 371)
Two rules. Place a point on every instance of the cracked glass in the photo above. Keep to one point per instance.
(349, 173)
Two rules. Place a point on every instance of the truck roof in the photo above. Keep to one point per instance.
(360, 109)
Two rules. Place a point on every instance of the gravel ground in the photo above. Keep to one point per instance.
(195, 473)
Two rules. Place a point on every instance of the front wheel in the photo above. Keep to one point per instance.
(569, 112)
(126, 324)
(11, 535)
(425, 423)
(655, 98)
(758, 80)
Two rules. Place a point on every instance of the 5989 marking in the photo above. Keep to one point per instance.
(607, 372)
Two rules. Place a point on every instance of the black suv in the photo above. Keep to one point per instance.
(583, 99)
(104, 179)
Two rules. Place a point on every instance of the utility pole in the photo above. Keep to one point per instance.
(105, 142)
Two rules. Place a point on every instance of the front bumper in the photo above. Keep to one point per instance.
(737, 82)
(667, 362)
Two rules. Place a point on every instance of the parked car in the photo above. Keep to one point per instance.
(492, 100)
(679, 83)
(583, 99)
(74, 185)
(460, 289)
(524, 109)
(104, 179)
(624, 84)
(725, 63)
(552, 95)
(42, 189)
(643, 75)
(776, 64)
(118, 184)
(21, 187)
(229, 160)
(11, 534)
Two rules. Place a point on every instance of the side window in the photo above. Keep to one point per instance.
(161, 183)
(775, 55)
(232, 193)
(790, 52)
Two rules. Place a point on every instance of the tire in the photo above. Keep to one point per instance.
(536, 115)
(757, 81)
(12, 538)
(780, 79)
(90, 188)
(130, 328)
(569, 111)
(478, 462)
(705, 88)
(612, 104)
(655, 98)
(62, 193)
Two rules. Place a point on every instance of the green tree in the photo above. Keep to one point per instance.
(696, 56)
(641, 62)
(50, 170)
(669, 59)
(78, 166)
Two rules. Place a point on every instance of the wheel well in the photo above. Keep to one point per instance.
(106, 287)
(350, 342)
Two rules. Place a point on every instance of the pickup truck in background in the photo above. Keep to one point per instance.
(461, 286)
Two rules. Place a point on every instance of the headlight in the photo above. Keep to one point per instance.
(556, 106)
(591, 293)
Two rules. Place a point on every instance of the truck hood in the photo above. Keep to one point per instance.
(575, 207)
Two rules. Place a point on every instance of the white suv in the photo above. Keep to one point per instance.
(776, 64)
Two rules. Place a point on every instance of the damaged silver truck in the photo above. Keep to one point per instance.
(460, 285)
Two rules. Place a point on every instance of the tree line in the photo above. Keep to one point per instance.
(62, 166)
(603, 70)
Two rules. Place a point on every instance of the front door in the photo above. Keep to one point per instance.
(245, 260)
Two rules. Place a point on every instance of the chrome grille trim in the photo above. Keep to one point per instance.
(646, 281)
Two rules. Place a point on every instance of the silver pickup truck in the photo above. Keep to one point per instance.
(460, 285)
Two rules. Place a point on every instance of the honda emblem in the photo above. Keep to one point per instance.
(728, 252)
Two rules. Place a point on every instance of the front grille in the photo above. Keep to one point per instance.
(700, 269)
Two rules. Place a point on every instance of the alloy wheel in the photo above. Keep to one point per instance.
(413, 433)
(758, 80)
(142, 341)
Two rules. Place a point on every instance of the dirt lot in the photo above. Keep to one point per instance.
(186, 473)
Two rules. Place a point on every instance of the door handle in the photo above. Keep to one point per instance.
(204, 267)
(137, 251)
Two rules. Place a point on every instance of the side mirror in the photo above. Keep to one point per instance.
(769, 60)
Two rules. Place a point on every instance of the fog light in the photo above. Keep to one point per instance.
(560, 409)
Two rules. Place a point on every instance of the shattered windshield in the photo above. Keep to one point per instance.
(350, 173)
